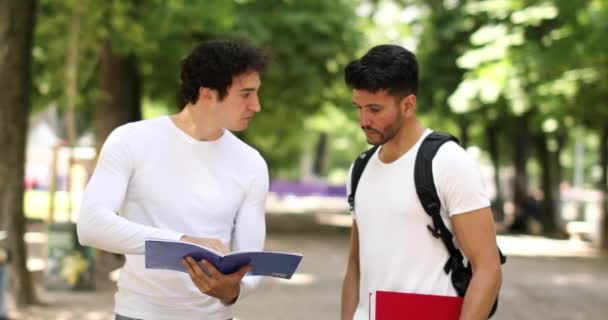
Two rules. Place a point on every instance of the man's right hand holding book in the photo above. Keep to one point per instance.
(225, 287)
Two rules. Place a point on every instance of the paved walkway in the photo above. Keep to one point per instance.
(568, 281)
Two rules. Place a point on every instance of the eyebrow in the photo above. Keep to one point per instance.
(367, 105)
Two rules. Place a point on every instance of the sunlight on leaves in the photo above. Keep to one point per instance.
(534, 15)
(550, 125)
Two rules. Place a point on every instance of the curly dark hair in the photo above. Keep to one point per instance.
(389, 67)
(213, 64)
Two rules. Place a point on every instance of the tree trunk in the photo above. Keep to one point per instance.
(604, 186)
(321, 155)
(493, 148)
(71, 75)
(548, 214)
(120, 93)
(464, 133)
(562, 137)
(71, 92)
(520, 161)
(17, 19)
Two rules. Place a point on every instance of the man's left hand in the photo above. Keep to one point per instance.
(225, 287)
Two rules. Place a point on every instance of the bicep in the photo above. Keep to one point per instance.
(103, 198)
(476, 236)
(108, 185)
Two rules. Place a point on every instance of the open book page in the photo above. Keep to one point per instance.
(168, 254)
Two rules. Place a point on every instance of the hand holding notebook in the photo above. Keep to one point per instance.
(168, 254)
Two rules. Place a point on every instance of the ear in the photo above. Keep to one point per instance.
(206, 94)
(408, 105)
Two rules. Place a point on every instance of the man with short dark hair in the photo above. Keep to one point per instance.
(391, 248)
(184, 177)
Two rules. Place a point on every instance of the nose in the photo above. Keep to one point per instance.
(364, 120)
(255, 105)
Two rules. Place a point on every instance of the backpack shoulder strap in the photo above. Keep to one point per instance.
(357, 171)
(423, 170)
(427, 193)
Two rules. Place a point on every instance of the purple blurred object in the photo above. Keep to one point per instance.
(283, 188)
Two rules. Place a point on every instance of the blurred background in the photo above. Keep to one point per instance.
(522, 83)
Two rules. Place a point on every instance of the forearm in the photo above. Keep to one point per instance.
(250, 227)
(350, 295)
(350, 285)
(246, 239)
(99, 225)
(481, 293)
(107, 231)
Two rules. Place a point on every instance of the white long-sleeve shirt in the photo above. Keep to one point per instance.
(152, 180)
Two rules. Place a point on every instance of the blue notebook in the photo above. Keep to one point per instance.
(168, 254)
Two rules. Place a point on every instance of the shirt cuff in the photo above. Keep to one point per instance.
(248, 284)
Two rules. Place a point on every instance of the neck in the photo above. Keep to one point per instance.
(197, 123)
(402, 142)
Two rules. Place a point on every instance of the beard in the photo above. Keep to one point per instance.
(376, 136)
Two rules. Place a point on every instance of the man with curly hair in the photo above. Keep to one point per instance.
(187, 177)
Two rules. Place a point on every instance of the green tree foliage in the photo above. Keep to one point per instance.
(526, 64)
(158, 33)
(310, 42)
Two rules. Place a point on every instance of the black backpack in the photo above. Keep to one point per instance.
(425, 188)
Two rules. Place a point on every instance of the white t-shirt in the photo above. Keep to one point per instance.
(165, 184)
(396, 250)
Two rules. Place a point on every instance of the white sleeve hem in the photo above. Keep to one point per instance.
(465, 210)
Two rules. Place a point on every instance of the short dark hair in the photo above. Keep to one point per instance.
(213, 64)
(388, 67)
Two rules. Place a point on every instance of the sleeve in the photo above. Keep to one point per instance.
(458, 180)
(98, 224)
(249, 231)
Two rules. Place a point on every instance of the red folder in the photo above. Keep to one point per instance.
(398, 305)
